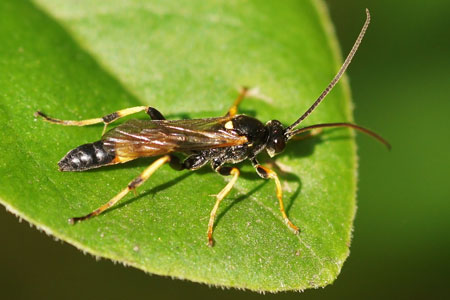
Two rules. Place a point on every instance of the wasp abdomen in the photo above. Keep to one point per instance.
(87, 156)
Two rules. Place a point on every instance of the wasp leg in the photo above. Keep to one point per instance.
(131, 186)
(175, 163)
(267, 173)
(108, 119)
(192, 162)
(223, 193)
(195, 161)
(233, 109)
(243, 93)
(154, 113)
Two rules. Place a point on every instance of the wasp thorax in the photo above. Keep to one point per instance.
(277, 141)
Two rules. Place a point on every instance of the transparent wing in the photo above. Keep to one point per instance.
(137, 138)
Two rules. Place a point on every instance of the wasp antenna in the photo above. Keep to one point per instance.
(336, 78)
(354, 126)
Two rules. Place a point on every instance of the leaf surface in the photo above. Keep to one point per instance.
(84, 59)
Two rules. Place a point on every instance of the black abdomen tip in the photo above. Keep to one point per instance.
(85, 157)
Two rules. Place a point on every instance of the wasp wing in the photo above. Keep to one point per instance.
(137, 138)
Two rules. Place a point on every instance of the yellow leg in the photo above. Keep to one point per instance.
(233, 109)
(105, 119)
(223, 193)
(131, 186)
(268, 173)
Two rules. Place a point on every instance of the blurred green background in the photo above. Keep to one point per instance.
(401, 247)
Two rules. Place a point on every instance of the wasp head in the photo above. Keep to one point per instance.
(277, 139)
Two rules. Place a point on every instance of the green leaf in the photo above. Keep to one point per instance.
(84, 59)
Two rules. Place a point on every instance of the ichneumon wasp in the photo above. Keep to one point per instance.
(222, 140)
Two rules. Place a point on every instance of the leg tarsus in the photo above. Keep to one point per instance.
(267, 173)
(135, 183)
(223, 193)
(67, 122)
(107, 119)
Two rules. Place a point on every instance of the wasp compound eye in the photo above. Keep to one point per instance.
(277, 139)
